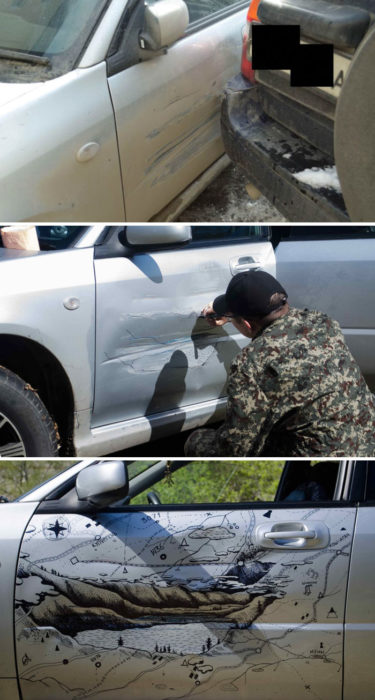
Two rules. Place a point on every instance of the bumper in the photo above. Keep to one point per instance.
(274, 139)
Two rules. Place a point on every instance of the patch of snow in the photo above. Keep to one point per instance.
(287, 155)
(320, 177)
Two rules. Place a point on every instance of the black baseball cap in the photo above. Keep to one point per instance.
(248, 295)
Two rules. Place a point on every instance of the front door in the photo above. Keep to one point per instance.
(167, 108)
(153, 352)
(239, 600)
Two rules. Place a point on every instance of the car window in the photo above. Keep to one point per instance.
(200, 10)
(216, 482)
(308, 481)
(240, 481)
(217, 234)
(58, 237)
(313, 233)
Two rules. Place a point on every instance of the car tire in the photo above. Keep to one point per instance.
(26, 428)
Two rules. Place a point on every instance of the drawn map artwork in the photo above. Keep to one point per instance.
(179, 604)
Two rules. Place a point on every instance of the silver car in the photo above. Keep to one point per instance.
(154, 601)
(101, 342)
(109, 109)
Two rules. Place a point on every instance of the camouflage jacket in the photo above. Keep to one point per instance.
(295, 390)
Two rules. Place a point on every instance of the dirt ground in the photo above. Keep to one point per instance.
(231, 198)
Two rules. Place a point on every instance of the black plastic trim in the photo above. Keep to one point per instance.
(358, 481)
(342, 25)
(175, 508)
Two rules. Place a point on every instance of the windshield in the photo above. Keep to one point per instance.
(55, 31)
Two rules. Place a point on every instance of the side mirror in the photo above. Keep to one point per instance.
(165, 21)
(165, 234)
(104, 483)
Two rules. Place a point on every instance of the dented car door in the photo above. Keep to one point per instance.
(154, 354)
(167, 114)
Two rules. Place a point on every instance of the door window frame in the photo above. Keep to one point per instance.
(350, 482)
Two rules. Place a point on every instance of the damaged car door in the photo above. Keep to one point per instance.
(167, 102)
(174, 601)
(158, 365)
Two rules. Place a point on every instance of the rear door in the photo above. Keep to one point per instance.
(153, 352)
(190, 600)
(331, 268)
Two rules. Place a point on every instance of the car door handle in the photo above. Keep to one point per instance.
(243, 264)
(292, 535)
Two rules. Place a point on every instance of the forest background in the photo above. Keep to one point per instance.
(217, 481)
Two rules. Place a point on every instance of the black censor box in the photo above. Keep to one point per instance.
(276, 47)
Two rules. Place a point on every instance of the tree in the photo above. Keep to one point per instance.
(18, 477)
(221, 481)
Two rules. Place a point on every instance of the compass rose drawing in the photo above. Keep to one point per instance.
(56, 529)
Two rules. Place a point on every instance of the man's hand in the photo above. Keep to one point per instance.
(212, 319)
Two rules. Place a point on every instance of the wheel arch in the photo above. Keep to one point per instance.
(38, 367)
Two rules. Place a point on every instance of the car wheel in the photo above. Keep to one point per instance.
(26, 428)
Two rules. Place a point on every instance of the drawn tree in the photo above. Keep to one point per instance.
(209, 643)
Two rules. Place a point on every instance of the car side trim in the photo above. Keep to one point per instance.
(114, 437)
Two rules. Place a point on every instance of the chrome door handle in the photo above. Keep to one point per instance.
(246, 262)
(290, 534)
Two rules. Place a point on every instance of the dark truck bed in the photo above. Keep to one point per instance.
(276, 132)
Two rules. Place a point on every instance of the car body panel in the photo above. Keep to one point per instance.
(360, 624)
(56, 177)
(179, 601)
(9, 689)
(13, 522)
(33, 288)
(167, 115)
(153, 353)
(335, 276)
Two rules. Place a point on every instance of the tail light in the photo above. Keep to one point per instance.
(246, 66)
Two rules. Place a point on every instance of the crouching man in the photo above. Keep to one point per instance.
(295, 390)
